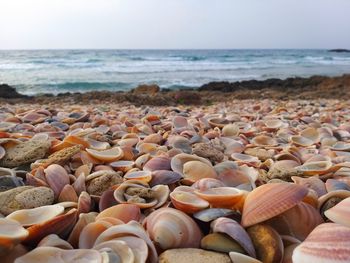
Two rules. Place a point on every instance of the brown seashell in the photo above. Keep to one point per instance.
(84, 203)
(221, 243)
(330, 199)
(79, 184)
(187, 202)
(298, 221)
(267, 242)
(141, 160)
(54, 241)
(53, 254)
(171, 228)
(230, 130)
(108, 155)
(223, 197)
(340, 213)
(164, 177)
(263, 141)
(328, 242)
(211, 214)
(312, 182)
(301, 141)
(235, 231)
(84, 219)
(68, 194)
(57, 177)
(124, 212)
(28, 217)
(270, 200)
(122, 166)
(107, 200)
(314, 168)
(11, 234)
(90, 233)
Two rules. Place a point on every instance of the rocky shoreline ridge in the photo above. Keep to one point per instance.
(315, 87)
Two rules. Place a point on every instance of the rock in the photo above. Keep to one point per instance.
(102, 182)
(9, 92)
(146, 89)
(187, 97)
(8, 204)
(25, 153)
(208, 151)
(8, 182)
(192, 255)
(35, 197)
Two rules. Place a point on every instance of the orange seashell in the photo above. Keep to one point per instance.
(124, 212)
(270, 200)
(11, 234)
(108, 155)
(84, 219)
(263, 141)
(187, 202)
(59, 225)
(90, 232)
(328, 242)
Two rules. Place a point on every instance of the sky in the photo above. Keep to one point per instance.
(174, 24)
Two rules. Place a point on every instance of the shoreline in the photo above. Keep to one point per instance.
(315, 87)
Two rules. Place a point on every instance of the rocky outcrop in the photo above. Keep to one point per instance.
(146, 89)
(9, 92)
(339, 50)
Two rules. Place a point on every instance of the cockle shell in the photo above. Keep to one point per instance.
(187, 202)
(313, 168)
(144, 176)
(53, 240)
(157, 163)
(263, 141)
(235, 231)
(123, 212)
(28, 217)
(54, 255)
(57, 177)
(108, 155)
(270, 200)
(171, 228)
(328, 242)
(340, 213)
(117, 249)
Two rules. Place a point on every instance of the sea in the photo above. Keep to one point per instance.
(58, 71)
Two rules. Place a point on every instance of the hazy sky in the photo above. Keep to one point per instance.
(36, 24)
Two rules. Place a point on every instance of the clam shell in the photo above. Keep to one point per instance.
(328, 242)
(118, 249)
(122, 166)
(313, 168)
(211, 214)
(171, 228)
(124, 212)
(108, 155)
(267, 242)
(301, 141)
(54, 241)
(235, 231)
(270, 200)
(313, 183)
(241, 258)
(230, 130)
(187, 202)
(11, 234)
(263, 141)
(56, 177)
(84, 219)
(157, 163)
(196, 170)
(28, 217)
(340, 213)
(221, 243)
(164, 177)
(144, 176)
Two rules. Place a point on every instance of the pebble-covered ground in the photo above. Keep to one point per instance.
(241, 181)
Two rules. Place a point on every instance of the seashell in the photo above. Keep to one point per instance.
(141, 160)
(144, 147)
(221, 243)
(107, 200)
(90, 233)
(179, 123)
(196, 170)
(232, 146)
(83, 169)
(68, 194)
(100, 181)
(79, 184)
(223, 197)
(84, 219)
(117, 249)
(207, 183)
(14, 253)
(241, 258)
(97, 145)
(340, 212)
(267, 242)
(230, 130)
(178, 161)
(157, 163)
(2, 152)
(122, 166)
(340, 146)
(297, 222)
(11, 234)
(211, 214)
(28, 217)
(233, 175)
(218, 122)
(180, 143)
(171, 228)
(124, 212)
(60, 225)
(187, 202)
(312, 182)
(235, 231)
(56, 177)
(84, 203)
(139, 193)
(311, 134)
(132, 229)
(263, 141)
(314, 168)
(270, 200)
(164, 177)
(245, 159)
(273, 124)
(144, 176)
(330, 199)
(328, 242)
(54, 254)
(108, 155)
(301, 141)
(334, 185)
(283, 170)
(54, 241)
(153, 138)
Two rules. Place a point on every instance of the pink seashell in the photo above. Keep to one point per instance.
(340, 213)
(56, 177)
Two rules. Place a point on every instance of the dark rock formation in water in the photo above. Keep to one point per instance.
(9, 92)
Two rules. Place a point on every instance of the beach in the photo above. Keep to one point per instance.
(253, 171)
